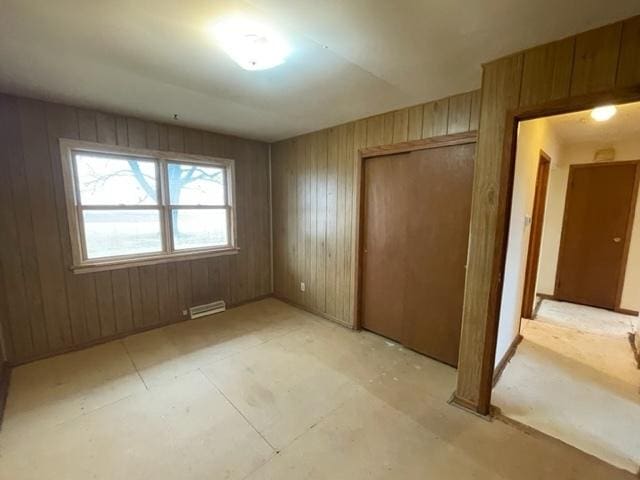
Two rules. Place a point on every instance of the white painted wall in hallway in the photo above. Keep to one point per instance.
(533, 135)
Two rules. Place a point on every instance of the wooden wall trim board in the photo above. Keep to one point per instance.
(576, 73)
(535, 236)
(314, 312)
(270, 224)
(117, 336)
(546, 296)
(626, 311)
(5, 379)
(538, 303)
(51, 310)
(468, 407)
(431, 142)
(316, 200)
(511, 351)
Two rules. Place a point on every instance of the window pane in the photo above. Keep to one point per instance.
(198, 228)
(195, 184)
(109, 233)
(116, 180)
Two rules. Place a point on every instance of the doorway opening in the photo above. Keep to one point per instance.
(565, 360)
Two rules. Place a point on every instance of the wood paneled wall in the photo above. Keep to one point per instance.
(49, 309)
(5, 371)
(578, 72)
(314, 210)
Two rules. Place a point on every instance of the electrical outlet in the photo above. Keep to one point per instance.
(302, 287)
(184, 313)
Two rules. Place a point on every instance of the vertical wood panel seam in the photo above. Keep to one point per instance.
(573, 64)
(326, 203)
(100, 314)
(32, 222)
(446, 122)
(84, 316)
(22, 260)
(60, 234)
(619, 59)
(160, 320)
(521, 79)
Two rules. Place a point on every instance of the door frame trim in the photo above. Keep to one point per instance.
(392, 149)
(513, 116)
(537, 223)
(424, 144)
(628, 231)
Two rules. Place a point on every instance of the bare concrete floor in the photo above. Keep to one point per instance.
(587, 319)
(264, 391)
(579, 387)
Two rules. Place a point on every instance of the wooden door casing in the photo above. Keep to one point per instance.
(535, 238)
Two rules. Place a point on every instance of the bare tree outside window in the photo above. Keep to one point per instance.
(123, 204)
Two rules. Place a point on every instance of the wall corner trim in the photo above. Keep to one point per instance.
(5, 377)
(513, 348)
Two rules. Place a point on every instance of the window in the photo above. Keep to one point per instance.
(128, 206)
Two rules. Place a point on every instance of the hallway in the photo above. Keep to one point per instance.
(574, 361)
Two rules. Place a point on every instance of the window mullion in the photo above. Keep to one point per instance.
(167, 240)
(81, 232)
(231, 240)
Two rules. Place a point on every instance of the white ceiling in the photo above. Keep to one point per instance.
(352, 58)
(579, 127)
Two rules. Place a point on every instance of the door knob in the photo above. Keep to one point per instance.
(617, 239)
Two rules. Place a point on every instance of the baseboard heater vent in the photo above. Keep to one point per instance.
(208, 309)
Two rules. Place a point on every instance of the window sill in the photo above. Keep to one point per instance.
(92, 267)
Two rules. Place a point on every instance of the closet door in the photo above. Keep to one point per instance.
(415, 235)
(387, 205)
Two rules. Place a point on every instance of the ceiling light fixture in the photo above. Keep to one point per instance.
(602, 114)
(252, 45)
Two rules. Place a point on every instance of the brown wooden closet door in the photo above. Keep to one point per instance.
(387, 205)
(416, 231)
(599, 206)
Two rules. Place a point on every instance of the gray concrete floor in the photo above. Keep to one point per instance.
(264, 391)
(587, 319)
(582, 388)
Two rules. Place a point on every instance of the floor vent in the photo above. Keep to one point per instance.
(208, 309)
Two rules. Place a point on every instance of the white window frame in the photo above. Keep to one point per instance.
(81, 263)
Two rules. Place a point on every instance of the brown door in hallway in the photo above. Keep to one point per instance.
(415, 231)
(535, 238)
(598, 216)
